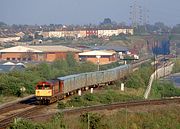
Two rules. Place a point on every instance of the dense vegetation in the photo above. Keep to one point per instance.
(12, 82)
(164, 89)
(176, 68)
(139, 78)
(160, 118)
(103, 97)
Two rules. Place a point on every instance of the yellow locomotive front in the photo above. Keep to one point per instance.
(44, 92)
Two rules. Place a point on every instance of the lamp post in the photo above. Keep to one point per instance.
(98, 60)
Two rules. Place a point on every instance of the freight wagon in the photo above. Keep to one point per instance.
(53, 90)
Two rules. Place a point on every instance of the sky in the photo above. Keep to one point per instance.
(84, 11)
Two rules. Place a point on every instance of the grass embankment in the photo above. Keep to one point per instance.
(176, 68)
(107, 95)
(145, 118)
(163, 88)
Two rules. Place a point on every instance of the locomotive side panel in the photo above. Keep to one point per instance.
(56, 88)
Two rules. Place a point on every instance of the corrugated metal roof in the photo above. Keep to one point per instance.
(98, 53)
(19, 49)
(40, 49)
(115, 48)
(56, 48)
(8, 68)
(70, 76)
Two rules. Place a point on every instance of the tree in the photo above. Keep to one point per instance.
(44, 70)
(2, 24)
(70, 60)
(106, 21)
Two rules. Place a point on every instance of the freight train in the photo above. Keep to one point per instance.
(53, 90)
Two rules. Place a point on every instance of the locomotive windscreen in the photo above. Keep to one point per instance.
(39, 87)
(44, 87)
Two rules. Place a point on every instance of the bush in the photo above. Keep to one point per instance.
(61, 105)
(24, 124)
(164, 89)
(139, 78)
(93, 120)
(176, 67)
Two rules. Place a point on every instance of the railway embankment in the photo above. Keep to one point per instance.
(163, 71)
(19, 100)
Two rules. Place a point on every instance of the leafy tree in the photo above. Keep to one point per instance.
(44, 70)
(2, 24)
(71, 60)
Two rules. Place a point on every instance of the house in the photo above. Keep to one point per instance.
(37, 53)
(91, 32)
(99, 56)
(107, 33)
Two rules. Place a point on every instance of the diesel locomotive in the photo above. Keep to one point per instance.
(53, 90)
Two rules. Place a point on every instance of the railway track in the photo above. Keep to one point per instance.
(27, 114)
(106, 107)
(122, 105)
(21, 109)
(5, 122)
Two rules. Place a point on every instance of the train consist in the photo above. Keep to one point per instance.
(53, 90)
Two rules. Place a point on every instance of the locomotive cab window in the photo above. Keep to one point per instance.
(47, 87)
(39, 87)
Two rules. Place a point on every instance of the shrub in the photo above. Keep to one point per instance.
(164, 89)
(24, 124)
(61, 105)
(93, 120)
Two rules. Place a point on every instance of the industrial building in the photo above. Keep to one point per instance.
(99, 56)
(37, 53)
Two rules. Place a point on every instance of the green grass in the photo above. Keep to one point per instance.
(107, 95)
(162, 88)
(146, 118)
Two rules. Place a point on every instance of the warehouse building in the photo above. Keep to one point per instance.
(99, 57)
(37, 53)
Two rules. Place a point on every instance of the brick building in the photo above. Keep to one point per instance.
(91, 32)
(37, 53)
(99, 57)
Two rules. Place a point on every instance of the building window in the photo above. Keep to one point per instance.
(24, 59)
(13, 58)
(7, 58)
(29, 59)
(18, 58)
